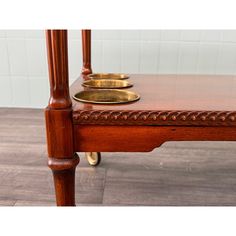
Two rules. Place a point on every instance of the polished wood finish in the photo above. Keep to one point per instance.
(58, 117)
(157, 118)
(59, 131)
(183, 100)
(171, 108)
(173, 93)
(64, 179)
(58, 69)
(143, 138)
(86, 49)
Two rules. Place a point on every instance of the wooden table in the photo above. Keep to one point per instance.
(171, 108)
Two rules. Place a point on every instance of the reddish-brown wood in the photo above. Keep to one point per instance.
(171, 108)
(143, 138)
(157, 118)
(58, 114)
(173, 93)
(64, 179)
(59, 132)
(86, 48)
(58, 69)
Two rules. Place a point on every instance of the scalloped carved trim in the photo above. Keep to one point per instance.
(142, 117)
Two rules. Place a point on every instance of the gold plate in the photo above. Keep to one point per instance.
(106, 96)
(107, 84)
(108, 76)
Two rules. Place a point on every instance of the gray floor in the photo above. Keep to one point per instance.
(183, 173)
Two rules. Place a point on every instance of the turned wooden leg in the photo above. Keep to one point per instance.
(86, 42)
(64, 179)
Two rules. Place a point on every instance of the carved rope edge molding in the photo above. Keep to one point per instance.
(142, 117)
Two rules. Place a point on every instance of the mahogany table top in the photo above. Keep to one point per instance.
(167, 99)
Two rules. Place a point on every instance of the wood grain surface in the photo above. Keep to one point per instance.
(173, 93)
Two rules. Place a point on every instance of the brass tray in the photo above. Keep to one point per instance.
(108, 76)
(106, 96)
(107, 84)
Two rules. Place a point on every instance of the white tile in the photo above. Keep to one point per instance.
(5, 92)
(2, 33)
(111, 34)
(149, 57)
(130, 57)
(15, 33)
(131, 35)
(39, 92)
(35, 34)
(36, 57)
(97, 34)
(74, 58)
(129, 51)
(226, 63)
(17, 57)
(228, 36)
(74, 34)
(170, 35)
(4, 77)
(190, 35)
(188, 58)
(20, 91)
(47, 89)
(111, 56)
(71, 81)
(96, 56)
(150, 35)
(210, 35)
(207, 58)
(4, 65)
(168, 57)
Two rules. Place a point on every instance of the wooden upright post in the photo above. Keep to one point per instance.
(86, 46)
(62, 158)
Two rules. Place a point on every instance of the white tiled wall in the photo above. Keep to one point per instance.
(23, 62)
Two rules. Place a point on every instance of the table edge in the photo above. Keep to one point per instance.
(153, 117)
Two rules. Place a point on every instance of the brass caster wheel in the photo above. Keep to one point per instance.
(94, 158)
